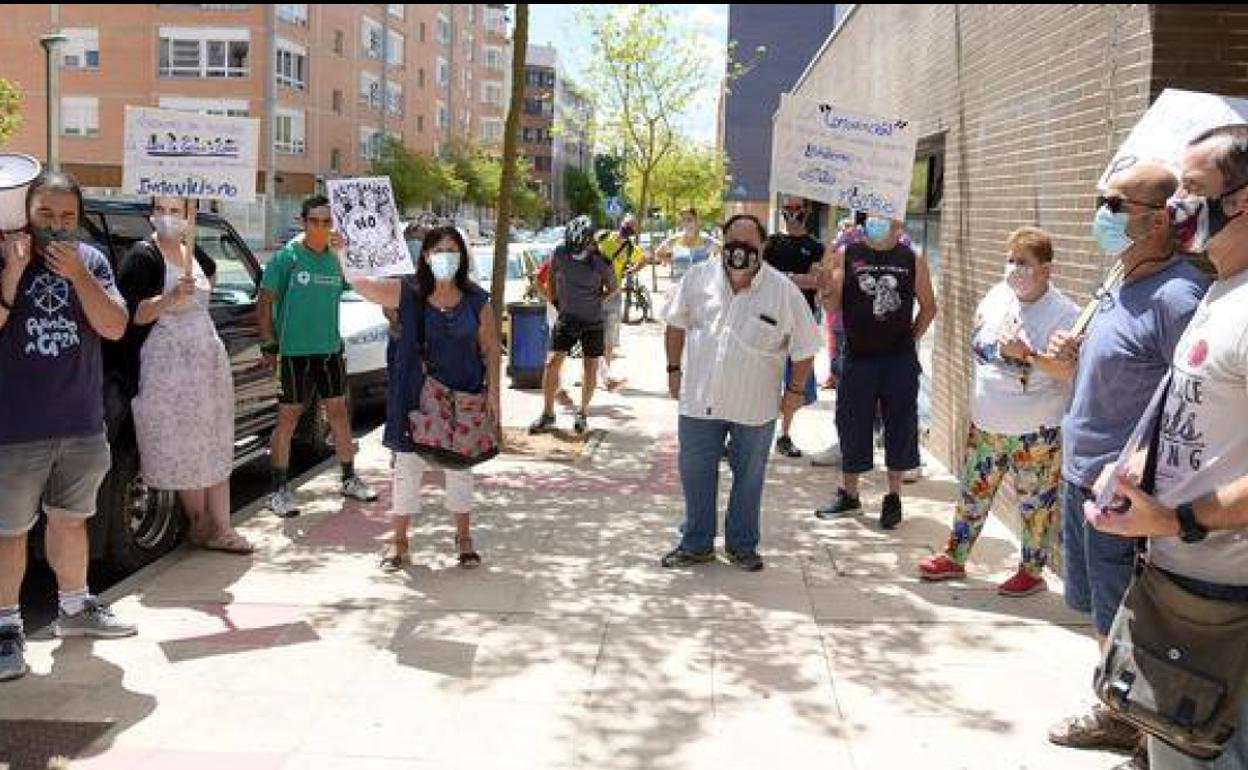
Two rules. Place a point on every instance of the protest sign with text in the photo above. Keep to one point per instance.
(365, 214)
(842, 158)
(187, 155)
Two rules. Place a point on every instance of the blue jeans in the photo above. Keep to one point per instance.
(1098, 565)
(701, 446)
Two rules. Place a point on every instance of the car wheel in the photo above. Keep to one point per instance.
(142, 523)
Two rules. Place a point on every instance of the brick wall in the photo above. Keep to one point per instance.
(1031, 101)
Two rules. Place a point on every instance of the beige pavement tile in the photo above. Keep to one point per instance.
(668, 734)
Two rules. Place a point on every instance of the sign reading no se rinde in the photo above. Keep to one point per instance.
(187, 155)
(842, 158)
(365, 212)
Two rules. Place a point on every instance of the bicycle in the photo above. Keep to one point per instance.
(636, 294)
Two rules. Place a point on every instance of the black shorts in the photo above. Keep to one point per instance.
(569, 331)
(303, 376)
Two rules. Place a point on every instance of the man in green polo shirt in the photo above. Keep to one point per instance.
(298, 315)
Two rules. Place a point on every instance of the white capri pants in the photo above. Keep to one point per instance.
(409, 474)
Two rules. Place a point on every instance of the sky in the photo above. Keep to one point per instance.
(553, 25)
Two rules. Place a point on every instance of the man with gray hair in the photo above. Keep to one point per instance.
(1197, 519)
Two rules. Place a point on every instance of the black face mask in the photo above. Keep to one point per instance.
(739, 255)
(795, 217)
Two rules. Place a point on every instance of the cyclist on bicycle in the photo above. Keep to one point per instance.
(626, 257)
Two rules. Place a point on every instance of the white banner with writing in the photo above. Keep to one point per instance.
(842, 158)
(1174, 119)
(365, 213)
(187, 155)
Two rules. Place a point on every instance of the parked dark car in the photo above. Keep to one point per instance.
(134, 524)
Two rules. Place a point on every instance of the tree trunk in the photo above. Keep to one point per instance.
(646, 222)
(507, 181)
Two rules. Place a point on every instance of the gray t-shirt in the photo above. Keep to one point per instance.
(50, 362)
(1204, 432)
(1128, 349)
(580, 281)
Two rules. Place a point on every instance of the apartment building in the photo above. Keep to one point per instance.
(556, 126)
(328, 81)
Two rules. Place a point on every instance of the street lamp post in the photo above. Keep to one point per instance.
(49, 43)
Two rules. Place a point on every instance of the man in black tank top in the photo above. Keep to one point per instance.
(876, 285)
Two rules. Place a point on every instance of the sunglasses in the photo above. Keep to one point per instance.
(1117, 203)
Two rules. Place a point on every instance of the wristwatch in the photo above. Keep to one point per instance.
(1190, 530)
(673, 368)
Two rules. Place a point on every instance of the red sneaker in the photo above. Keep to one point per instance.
(940, 567)
(1022, 584)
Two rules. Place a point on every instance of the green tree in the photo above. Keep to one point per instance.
(688, 176)
(508, 200)
(10, 109)
(583, 194)
(417, 180)
(646, 76)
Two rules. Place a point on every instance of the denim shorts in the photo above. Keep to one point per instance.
(1098, 565)
(62, 474)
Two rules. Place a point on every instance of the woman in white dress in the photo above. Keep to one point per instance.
(184, 407)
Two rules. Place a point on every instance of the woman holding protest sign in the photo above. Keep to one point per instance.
(178, 374)
(448, 340)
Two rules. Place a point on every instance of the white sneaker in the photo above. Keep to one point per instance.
(358, 489)
(283, 504)
(913, 476)
(828, 458)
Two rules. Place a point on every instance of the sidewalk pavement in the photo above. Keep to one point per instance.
(571, 647)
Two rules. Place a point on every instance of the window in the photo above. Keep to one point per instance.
(444, 116)
(335, 159)
(444, 73)
(534, 106)
(295, 14)
(394, 98)
(494, 58)
(292, 64)
(492, 93)
(288, 131)
(422, 32)
(444, 30)
(420, 77)
(394, 48)
(80, 115)
(496, 21)
(340, 42)
(370, 89)
(492, 130)
(336, 101)
(472, 14)
(204, 52)
(397, 10)
(420, 124)
(82, 50)
(370, 143)
(371, 38)
(542, 163)
(231, 108)
(234, 283)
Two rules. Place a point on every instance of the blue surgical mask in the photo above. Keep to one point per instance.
(1110, 231)
(444, 265)
(877, 228)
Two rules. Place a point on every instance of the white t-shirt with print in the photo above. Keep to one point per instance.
(1204, 435)
(1014, 399)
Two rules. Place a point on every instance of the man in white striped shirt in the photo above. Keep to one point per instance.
(730, 325)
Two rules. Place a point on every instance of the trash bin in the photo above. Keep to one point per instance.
(530, 335)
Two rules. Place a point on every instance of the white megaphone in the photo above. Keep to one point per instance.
(17, 171)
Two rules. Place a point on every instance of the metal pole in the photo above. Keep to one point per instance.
(270, 111)
(49, 43)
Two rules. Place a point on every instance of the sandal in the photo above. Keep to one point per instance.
(468, 559)
(229, 541)
(394, 558)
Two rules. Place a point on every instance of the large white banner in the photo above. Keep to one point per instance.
(1176, 118)
(365, 213)
(842, 158)
(186, 155)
